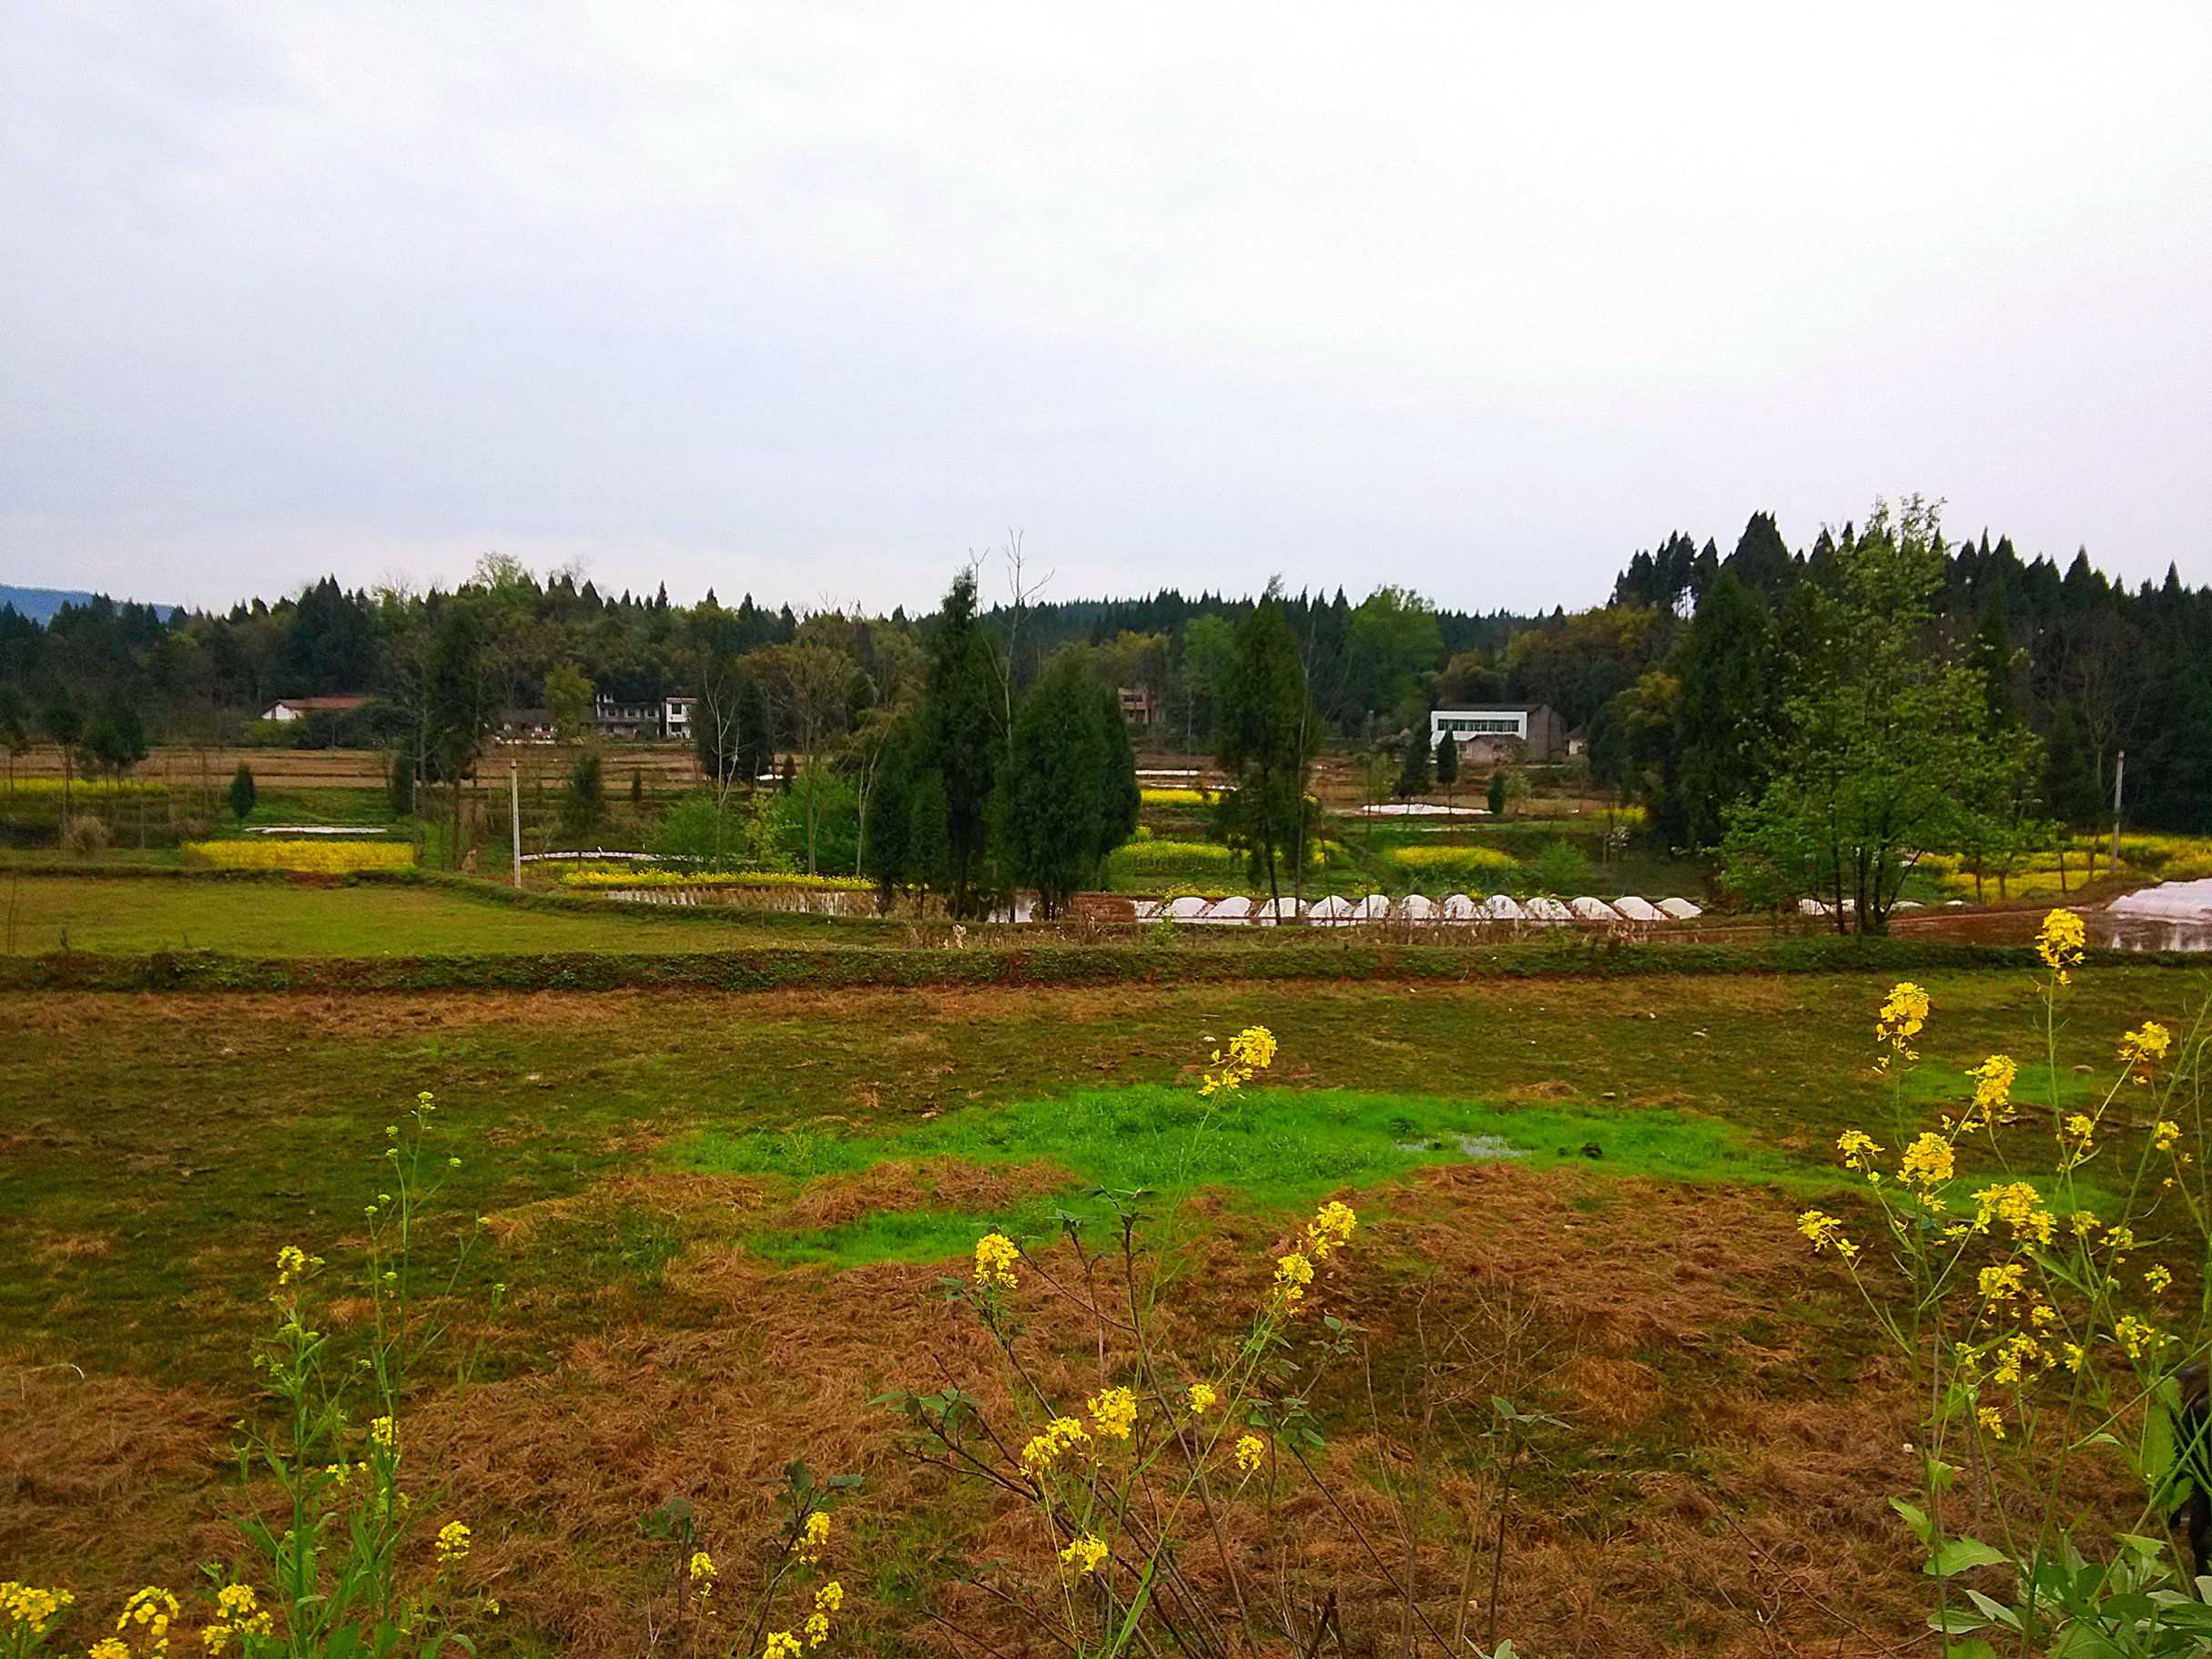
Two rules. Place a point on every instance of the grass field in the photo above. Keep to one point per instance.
(295, 919)
(720, 1220)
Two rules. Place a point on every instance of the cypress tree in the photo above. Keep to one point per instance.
(1265, 715)
(1412, 777)
(1069, 796)
(1447, 760)
(242, 792)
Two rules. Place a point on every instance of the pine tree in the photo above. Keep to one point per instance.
(1068, 793)
(1498, 793)
(1725, 670)
(242, 792)
(1447, 761)
(1412, 777)
(1265, 719)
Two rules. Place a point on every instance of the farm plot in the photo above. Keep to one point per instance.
(721, 1224)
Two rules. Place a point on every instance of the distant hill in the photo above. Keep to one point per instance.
(39, 603)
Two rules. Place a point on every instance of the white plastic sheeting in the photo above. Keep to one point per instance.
(1586, 908)
(1680, 910)
(1638, 910)
(2169, 902)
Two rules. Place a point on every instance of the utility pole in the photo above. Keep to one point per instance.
(2119, 771)
(515, 813)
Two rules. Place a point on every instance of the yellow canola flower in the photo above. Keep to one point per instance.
(151, 1610)
(383, 1432)
(701, 1568)
(1991, 1419)
(1044, 1447)
(781, 1644)
(1251, 1052)
(2002, 1283)
(1859, 1148)
(1928, 1162)
(2159, 1279)
(813, 1537)
(2060, 941)
(2083, 1223)
(2143, 1048)
(2135, 1335)
(320, 858)
(1993, 1089)
(2165, 1137)
(1826, 1233)
(829, 1598)
(108, 1647)
(1293, 1273)
(1202, 1399)
(1084, 1554)
(1251, 1452)
(238, 1613)
(2075, 1355)
(996, 1255)
(816, 1629)
(1904, 1013)
(452, 1543)
(30, 1609)
(2019, 1205)
(1329, 1229)
(1113, 1413)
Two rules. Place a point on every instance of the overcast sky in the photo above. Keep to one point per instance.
(811, 300)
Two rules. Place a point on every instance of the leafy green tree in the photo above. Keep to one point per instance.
(1393, 640)
(114, 741)
(961, 743)
(15, 728)
(459, 705)
(1888, 752)
(1498, 793)
(64, 723)
(1413, 775)
(1724, 668)
(587, 790)
(1069, 794)
(1209, 652)
(242, 792)
(1266, 727)
(568, 702)
(399, 779)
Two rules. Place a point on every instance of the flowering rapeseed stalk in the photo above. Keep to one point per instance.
(1113, 1413)
(1202, 1399)
(1251, 1452)
(1251, 1052)
(1084, 1553)
(2060, 943)
(813, 1538)
(2016, 1326)
(996, 1255)
(1902, 1015)
(1044, 1449)
(27, 1613)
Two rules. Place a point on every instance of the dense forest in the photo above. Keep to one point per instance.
(1678, 686)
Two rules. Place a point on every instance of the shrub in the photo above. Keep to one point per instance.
(85, 835)
(1560, 868)
(1149, 863)
(333, 857)
(600, 878)
(1460, 865)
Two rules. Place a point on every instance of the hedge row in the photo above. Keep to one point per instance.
(833, 966)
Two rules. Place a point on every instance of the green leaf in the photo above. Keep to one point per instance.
(1994, 1609)
(1973, 1647)
(1915, 1518)
(1963, 1555)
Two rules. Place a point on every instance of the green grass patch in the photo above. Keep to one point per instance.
(1273, 1150)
